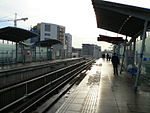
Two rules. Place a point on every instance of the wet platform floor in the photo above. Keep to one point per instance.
(102, 92)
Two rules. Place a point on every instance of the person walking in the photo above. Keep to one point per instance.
(115, 62)
(103, 56)
(107, 56)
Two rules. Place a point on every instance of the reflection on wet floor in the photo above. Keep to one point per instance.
(94, 74)
(102, 92)
(117, 94)
(84, 97)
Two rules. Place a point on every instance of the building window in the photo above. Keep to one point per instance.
(46, 38)
(47, 27)
(47, 34)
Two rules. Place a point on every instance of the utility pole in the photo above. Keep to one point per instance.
(15, 20)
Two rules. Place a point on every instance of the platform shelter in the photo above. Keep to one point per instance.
(131, 21)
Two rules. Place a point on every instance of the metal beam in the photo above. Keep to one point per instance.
(123, 56)
(141, 57)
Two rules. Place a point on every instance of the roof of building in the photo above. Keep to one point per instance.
(48, 43)
(15, 34)
(119, 18)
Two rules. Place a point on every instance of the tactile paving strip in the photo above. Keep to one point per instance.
(84, 98)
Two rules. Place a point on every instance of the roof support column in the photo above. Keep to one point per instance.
(141, 57)
(35, 54)
(48, 53)
(16, 52)
(134, 49)
(40, 59)
(123, 56)
(22, 53)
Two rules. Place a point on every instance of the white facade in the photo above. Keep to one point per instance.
(51, 31)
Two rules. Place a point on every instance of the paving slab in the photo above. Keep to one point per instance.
(102, 92)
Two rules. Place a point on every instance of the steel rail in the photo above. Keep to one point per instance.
(37, 90)
(27, 81)
(82, 67)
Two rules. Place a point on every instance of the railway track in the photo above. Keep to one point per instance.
(29, 71)
(26, 96)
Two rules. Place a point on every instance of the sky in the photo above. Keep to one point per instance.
(77, 16)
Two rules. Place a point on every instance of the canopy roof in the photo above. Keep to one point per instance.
(113, 40)
(15, 34)
(48, 43)
(119, 18)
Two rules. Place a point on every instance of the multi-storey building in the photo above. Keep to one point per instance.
(91, 50)
(68, 45)
(48, 31)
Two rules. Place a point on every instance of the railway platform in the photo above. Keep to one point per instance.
(102, 92)
(30, 64)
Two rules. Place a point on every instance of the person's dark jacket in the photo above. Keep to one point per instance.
(115, 60)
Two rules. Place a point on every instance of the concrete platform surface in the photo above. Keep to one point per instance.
(29, 64)
(102, 92)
